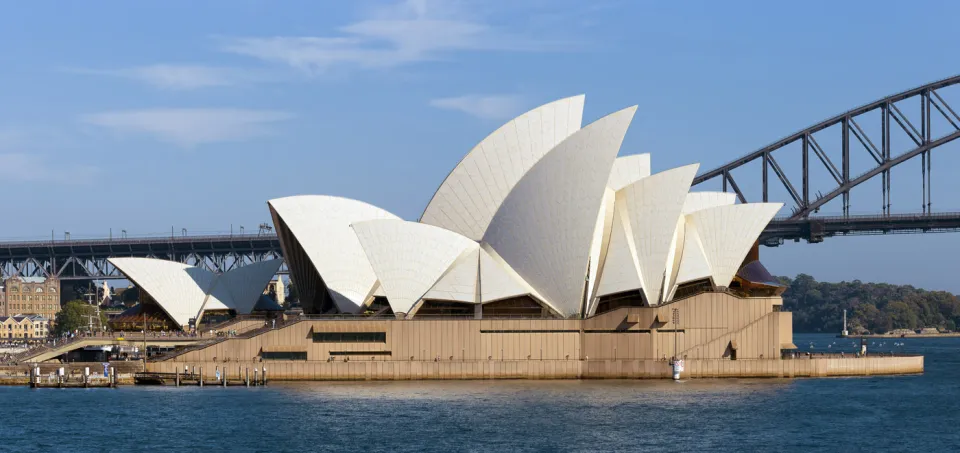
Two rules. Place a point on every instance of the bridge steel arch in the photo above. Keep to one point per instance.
(922, 138)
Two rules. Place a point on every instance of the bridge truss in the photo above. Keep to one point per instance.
(882, 117)
(87, 259)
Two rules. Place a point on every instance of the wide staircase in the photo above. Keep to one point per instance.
(244, 330)
(46, 351)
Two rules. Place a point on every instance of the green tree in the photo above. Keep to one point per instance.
(873, 307)
(75, 315)
(129, 296)
(902, 315)
(293, 295)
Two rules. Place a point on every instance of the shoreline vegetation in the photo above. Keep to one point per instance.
(872, 308)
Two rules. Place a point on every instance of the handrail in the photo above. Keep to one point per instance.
(937, 215)
(137, 240)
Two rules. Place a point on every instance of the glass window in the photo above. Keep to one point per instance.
(284, 355)
(349, 337)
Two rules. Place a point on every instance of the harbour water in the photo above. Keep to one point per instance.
(890, 413)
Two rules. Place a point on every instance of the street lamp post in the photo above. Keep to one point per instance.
(677, 361)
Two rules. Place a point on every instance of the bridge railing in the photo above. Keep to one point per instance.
(135, 240)
(842, 218)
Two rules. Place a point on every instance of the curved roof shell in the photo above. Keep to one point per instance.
(621, 269)
(319, 226)
(470, 196)
(185, 291)
(409, 257)
(696, 201)
(498, 280)
(545, 227)
(459, 282)
(653, 206)
(628, 170)
(179, 289)
(241, 288)
(727, 233)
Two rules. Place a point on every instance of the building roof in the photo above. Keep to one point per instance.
(559, 200)
(409, 257)
(628, 170)
(469, 197)
(728, 232)
(31, 279)
(321, 226)
(653, 206)
(541, 207)
(185, 292)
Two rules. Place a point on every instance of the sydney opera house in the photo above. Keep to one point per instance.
(542, 245)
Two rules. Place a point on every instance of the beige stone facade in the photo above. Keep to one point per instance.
(24, 327)
(718, 334)
(31, 296)
(711, 326)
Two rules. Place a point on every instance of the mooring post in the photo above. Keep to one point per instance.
(176, 380)
(201, 377)
(264, 377)
(247, 378)
(255, 376)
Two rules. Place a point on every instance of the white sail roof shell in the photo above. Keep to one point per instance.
(321, 225)
(696, 201)
(409, 257)
(693, 264)
(178, 288)
(470, 196)
(653, 206)
(628, 170)
(185, 291)
(459, 283)
(621, 269)
(545, 227)
(241, 288)
(727, 233)
(497, 280)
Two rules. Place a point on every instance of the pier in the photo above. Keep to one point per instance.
(62, 379)
(244, 377)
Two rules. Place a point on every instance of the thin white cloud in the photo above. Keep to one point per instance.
(190, 127)
(23, 167)
(495, 107)
(180, 76)
(21, 161)
(408, 32)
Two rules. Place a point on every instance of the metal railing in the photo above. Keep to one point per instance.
(147, 239)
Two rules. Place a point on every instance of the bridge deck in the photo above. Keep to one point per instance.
(87, 259)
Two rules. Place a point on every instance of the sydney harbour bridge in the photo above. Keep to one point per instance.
(905, 127)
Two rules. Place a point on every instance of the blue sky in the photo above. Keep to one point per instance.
(147, 115)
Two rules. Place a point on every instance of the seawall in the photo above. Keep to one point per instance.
(555, 369)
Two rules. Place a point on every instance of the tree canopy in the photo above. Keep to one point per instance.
(74, 315)
(872, 307)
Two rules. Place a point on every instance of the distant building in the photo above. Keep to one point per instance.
(106, 298)
(27, 327)
(278, 289)
(31, 296)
